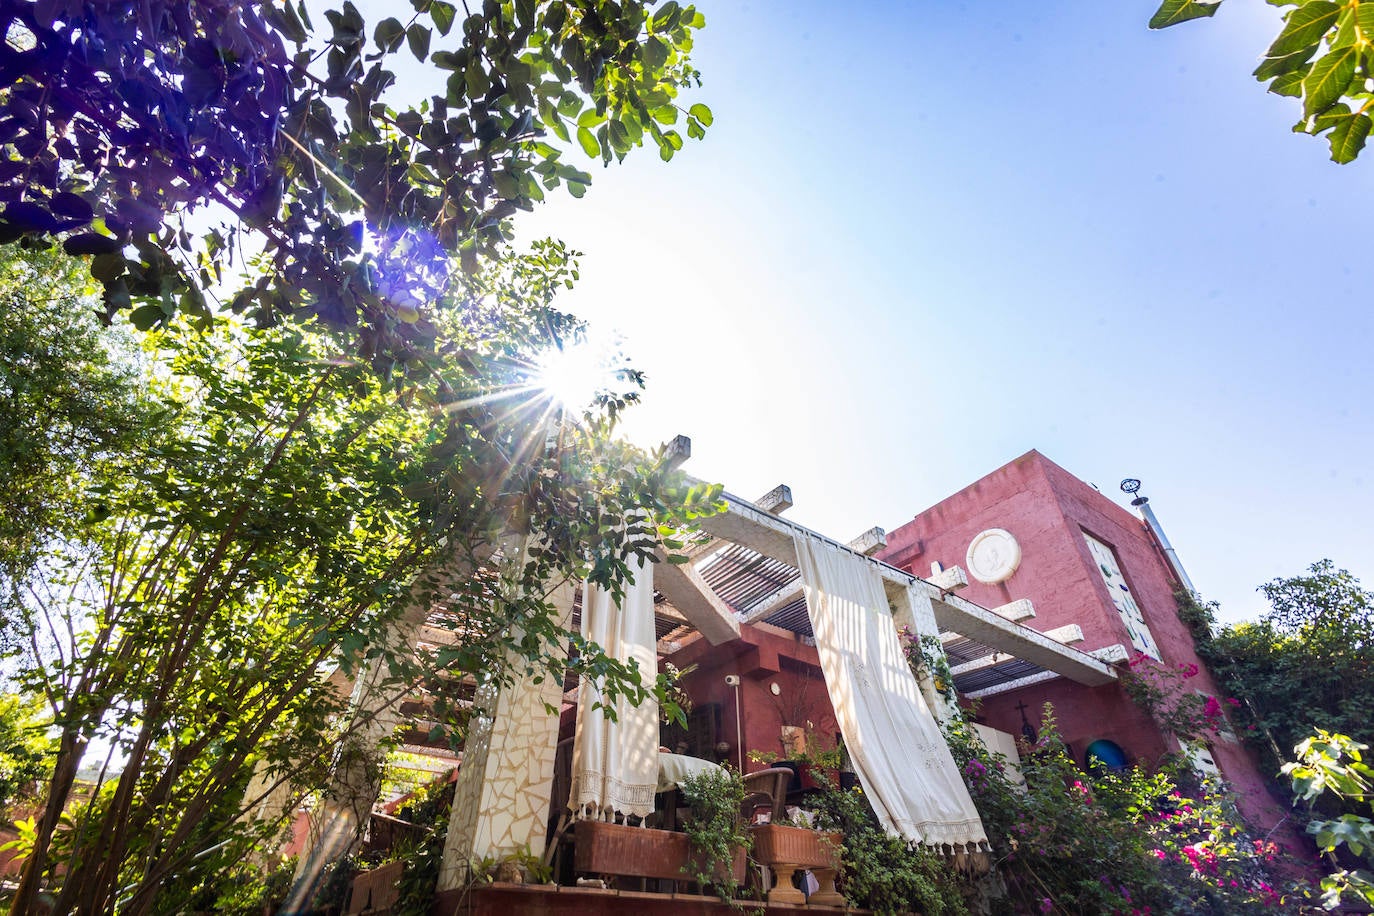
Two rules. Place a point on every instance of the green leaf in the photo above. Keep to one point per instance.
(665, 115)
(1348, 136)
(1328, 80)
(1271, 67)
(388, 34)
(443, 15)
(589, 144)
(1172, 12)
(590, 118)
(1364, 20)
(477, 80)
(107, 267)
(620, 137)
(145, 317)
(418, 38)
(655, 52)
(701, 113)
(1306, 25)
(1289, 84)
(667, 16)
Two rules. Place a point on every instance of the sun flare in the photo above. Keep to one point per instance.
(576, 374)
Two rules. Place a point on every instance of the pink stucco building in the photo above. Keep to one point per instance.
(1031, 530)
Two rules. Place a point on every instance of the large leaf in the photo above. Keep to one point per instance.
(589, 144)
(1306, 25)
(1328, 80)
(1271, 67)
(1172, 12)
(1348, 136)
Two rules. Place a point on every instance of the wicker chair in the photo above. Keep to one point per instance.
(766, 787)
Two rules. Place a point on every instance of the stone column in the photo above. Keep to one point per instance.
(912, 609)
(505, 784)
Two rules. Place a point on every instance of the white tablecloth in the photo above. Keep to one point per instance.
(673, 768)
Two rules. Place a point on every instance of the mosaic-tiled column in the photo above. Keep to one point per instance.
(912, 610)
(505, 784)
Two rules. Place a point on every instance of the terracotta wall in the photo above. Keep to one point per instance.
(761, 658)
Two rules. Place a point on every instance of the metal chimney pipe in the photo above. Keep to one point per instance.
(1132, 486)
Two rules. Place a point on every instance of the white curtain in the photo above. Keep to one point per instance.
(900, 755)
(615, 764)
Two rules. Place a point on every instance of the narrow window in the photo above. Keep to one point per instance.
(1141, 638)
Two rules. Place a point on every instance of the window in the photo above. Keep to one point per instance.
(1141, 637)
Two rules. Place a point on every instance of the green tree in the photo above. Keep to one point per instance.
(1334, 764)
(1323, 56)
(1305, 664)
(25, 750)
(67, 401)
(124, 120)
(306, 479)
(288, 507)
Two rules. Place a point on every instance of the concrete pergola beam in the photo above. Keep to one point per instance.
(743, 523)
(693, 598)
(870, 542)
(1016, 611)
(776, 501)
(991, 629)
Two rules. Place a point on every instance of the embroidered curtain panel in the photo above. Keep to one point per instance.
(615, 764)
(900, 755)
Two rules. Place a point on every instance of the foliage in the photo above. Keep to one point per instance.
(287, 510)
(675, 702)
(248, 891)
(25, 750)
(1305, 664)
(429, 808)
(926, 657)
(124, 121)
(67, 402)
(1322, 56)
(1162, 692)
(1335, 763)
(1132, 842)
(715, 832)
(880, 871)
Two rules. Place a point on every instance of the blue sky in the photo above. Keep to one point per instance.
(923, 238)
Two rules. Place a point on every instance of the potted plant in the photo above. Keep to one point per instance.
(602, 848)
(784, 848)
(718, 841)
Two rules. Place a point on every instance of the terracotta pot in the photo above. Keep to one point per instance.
(786, 849)
(636, 852)
(809, 772)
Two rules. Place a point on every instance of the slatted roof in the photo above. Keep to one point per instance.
(960, 650)
(745, 579)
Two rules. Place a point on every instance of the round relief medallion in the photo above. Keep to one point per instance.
(993, 556)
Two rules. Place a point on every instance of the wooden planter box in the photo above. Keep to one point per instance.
(378, 889)
(787, 849)
(636, 852)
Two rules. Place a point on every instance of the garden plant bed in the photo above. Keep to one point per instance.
(635, 852)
